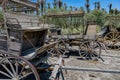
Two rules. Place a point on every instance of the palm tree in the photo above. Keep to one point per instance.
(87, 6)
(71, 8)
(95, 5)
(60, 3)
(42, 6)
(76, 9)
(55, 3)
(116, 11)
(65, 6)
(48, 5)
(37, 7)
(98, 5)
(110, 7)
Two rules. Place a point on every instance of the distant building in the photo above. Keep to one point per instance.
(23, 6)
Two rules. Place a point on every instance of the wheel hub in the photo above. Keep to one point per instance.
(114, 40)
(89, 50)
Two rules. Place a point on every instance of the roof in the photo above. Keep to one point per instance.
(25, 3)
(65, 14)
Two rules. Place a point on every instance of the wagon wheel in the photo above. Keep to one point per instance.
(90, 50)
(17, 68)
(62, 48)
(59, 49)
(112, 40)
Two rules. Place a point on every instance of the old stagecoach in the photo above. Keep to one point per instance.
(23, 53)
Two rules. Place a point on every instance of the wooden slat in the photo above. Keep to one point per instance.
(56, 69)
(65, 14)
(91, 30)
(72, 36)
(27, 3)
(45, 47)
(25, 21)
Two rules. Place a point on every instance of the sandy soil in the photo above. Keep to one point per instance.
(111, 62)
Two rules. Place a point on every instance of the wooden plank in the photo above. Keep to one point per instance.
(90, 69)
(27, 3)
(91, 30)
(72, 36)
(25, 21)
(45, 47)
(56, 69)
(65, 14)
(30, 29)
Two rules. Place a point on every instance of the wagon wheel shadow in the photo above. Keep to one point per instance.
(87, 56)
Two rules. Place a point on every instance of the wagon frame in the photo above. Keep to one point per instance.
(86, 41)
(23, 50)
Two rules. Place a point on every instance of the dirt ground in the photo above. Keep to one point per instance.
(111, 62)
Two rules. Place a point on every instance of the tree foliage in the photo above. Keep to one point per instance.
(96, 15)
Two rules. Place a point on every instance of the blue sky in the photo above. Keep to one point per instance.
(79, 3)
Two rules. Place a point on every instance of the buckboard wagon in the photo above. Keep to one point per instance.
(88, 47)
(23, 53)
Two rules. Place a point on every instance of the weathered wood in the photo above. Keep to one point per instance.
(26, 3)
(3, 42)
(22, 20)
(90, 69)
(26, 38)
(3, 3)
(21, 25)
(90, 31)
(56, 69)
(72, 36)
(65, 14)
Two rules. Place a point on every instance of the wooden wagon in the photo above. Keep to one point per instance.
(89, 48)
(110, 34)
(23, 53)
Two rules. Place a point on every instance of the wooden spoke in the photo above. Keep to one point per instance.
(112, 40)
(90, 50)
(59, 49)
(16, 68)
